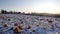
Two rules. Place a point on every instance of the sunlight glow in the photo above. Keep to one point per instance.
(45, 8)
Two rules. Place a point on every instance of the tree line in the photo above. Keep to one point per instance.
(13, 12)
(10, 12)
(33, 13)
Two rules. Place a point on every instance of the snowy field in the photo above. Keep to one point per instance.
(28, 24)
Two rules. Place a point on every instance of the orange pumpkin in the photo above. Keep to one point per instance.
(20, 27)
(16, 30)
(6, 25)
(16, 24)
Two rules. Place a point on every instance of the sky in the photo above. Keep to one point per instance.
(39, 6)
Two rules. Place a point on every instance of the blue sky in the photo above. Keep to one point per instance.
(46, 6)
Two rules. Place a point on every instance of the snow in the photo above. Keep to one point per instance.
(40, 24)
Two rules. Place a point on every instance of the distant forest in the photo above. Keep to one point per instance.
(14, 12)
(9, 12)
(33, 13)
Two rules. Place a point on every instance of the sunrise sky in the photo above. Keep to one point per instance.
(39, 6)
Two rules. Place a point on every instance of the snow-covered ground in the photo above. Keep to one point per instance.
(38, 24)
